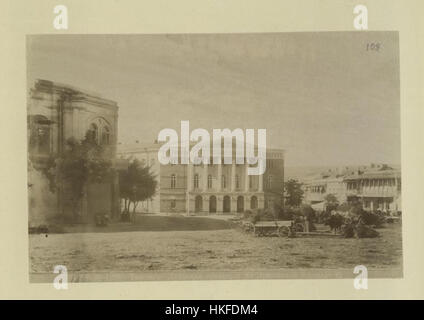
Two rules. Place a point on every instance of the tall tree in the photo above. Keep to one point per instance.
(80, 163)
(293, 193)
(136, 184)
(331, 202)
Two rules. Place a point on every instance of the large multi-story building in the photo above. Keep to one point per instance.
(378, 187)
(57, 112)
(210, 188)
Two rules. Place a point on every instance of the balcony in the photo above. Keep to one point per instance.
(376, 192)
(352, 192)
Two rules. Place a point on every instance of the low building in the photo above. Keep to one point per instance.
(209, 189)
(378, 187)
(57, 112)
(317, 189)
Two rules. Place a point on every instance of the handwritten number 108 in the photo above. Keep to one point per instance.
(373, 46)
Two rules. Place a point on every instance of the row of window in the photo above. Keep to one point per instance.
(196, 180)
(377, 205)
(317, 189)
(226, 205)
(269, 163)
(40, 133)
(210, 164)
(372, 183)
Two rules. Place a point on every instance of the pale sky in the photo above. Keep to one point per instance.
(322, 97)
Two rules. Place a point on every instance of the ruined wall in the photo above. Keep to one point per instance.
(57, 112)
(42, 203)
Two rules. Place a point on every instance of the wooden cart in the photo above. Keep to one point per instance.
(281, 229)
(269, 228)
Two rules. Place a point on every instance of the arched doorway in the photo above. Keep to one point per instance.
(212, 204)
(198, 204)
(227, 204)
(253, 202)
(240, 204)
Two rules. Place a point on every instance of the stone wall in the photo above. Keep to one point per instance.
(60, 112)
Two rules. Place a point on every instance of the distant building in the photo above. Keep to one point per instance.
(209, 189)
(377, 189)
(317, 189)
(377, 186)
(57, 112)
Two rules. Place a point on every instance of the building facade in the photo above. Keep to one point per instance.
(57, 112)
(378, 190)
(210, 188)
(377, 186)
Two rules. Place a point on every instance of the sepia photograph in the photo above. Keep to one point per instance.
(217, 156)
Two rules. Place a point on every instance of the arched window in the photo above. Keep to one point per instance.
(198, 204)
(105, 135)
(173, 181)
(196, 181)
(253, 202)
(237, 181)
(99, 131)
(250, 182)
(209, 181)
(93, 132)
(223, 182)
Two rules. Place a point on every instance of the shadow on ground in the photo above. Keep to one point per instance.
(154, 223)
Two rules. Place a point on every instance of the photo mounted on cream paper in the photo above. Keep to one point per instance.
(214, 156)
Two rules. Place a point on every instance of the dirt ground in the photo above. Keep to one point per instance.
(227, 249)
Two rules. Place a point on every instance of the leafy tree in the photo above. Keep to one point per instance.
(289, 213)
(293, 193)
(308, 212)
(344, 207)
(356, 207)
(372, 219)
(80, 163)
(331, 202)
(335, 222)
(136, 184)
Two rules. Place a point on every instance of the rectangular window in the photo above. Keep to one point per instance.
(173, 181)
(196, 181)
